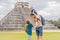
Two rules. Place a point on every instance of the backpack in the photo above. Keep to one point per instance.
(25, 27)
(42, 20)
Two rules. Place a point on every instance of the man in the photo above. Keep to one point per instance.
(36, 21)
(38, 24)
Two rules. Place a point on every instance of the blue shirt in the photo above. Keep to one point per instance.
(29, 29)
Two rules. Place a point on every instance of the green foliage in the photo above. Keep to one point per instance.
(56, 22)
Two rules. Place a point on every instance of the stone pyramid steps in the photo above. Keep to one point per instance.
(15, 18)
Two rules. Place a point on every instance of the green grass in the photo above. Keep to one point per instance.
(23, 36)
(52, 36)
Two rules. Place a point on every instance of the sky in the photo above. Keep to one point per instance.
(49, 9)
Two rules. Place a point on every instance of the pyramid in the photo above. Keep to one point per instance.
(15, 19)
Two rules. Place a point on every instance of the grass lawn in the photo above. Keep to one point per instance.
(52, 36)
(23, 36)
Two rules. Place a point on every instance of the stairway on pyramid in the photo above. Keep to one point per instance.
(15, 19)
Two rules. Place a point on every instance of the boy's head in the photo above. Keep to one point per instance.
(28, 22)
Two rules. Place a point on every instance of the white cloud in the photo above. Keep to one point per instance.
(25, 0)
(52, 11)
(1, 6)
(51, 3)
(43, 13)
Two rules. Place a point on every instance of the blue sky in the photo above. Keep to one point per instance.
(50, 9)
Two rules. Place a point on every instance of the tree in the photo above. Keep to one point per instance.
(56, 23)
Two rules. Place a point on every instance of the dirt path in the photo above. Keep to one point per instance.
(51, 31)
(24, 32)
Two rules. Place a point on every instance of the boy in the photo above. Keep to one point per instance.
(28, 29)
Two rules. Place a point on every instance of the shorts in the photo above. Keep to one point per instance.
(39, 31)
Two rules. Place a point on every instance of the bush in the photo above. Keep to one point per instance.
(56, 22)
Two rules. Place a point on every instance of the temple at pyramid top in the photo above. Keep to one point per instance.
(22, 3)
(16, 18)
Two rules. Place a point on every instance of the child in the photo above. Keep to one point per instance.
(28, 29)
